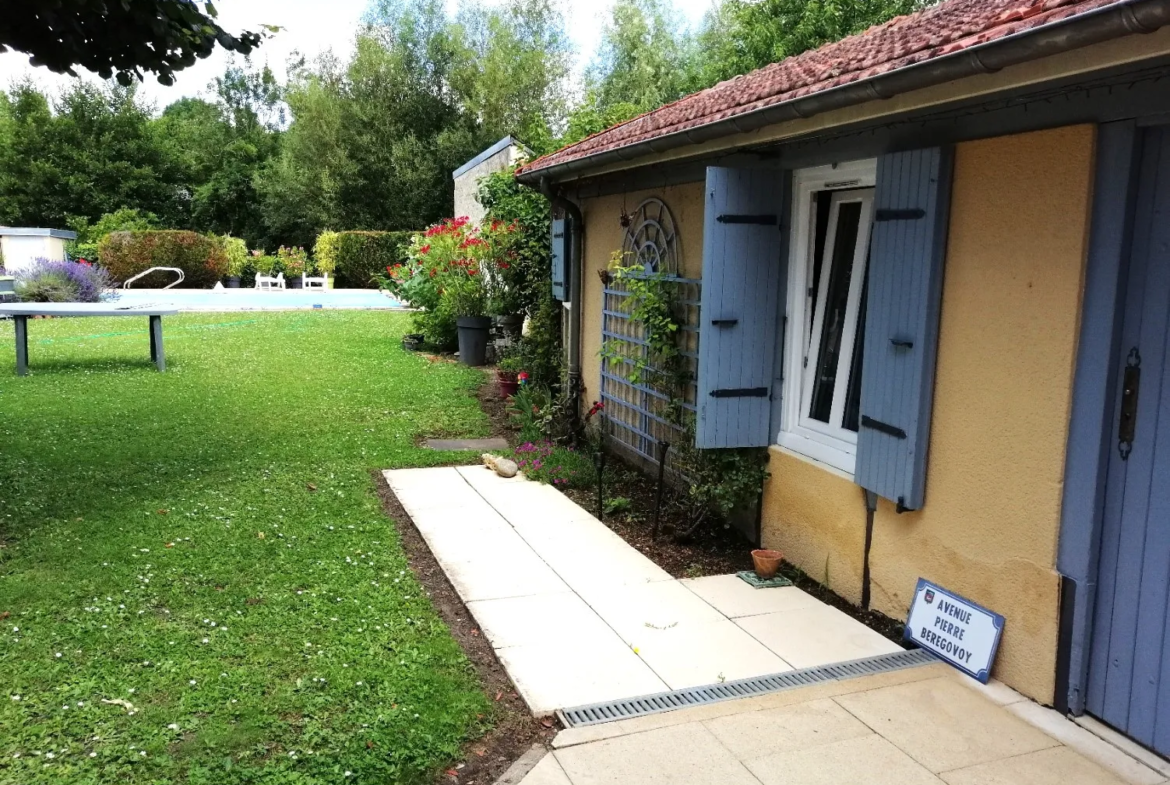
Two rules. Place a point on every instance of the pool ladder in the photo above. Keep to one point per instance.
(182, 275)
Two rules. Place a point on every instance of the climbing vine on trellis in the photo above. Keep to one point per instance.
(717, 481)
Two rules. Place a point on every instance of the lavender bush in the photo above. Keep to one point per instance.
(47, 281)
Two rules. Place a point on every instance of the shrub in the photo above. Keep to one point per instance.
(293, 262)
(200, 257)
(89, 237)
(325, 252)
(363, 256)
(236, 251)
(46, 281)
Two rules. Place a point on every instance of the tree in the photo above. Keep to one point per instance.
(742, 35)
(513, 76)
(644, 59)
(644, 62)
(117, 38)
(93, 152)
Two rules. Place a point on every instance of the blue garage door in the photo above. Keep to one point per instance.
(1129, 669)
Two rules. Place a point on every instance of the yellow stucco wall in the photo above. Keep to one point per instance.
(1003, 388)
(603, 236)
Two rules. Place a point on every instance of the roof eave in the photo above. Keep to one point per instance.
(1073, 32)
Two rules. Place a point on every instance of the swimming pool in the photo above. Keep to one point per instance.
(257, 300)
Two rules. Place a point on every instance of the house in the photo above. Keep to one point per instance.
(504, 154)
(928, 268)
(19, 246)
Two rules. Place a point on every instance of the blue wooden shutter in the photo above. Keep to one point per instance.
(742, 250)
(911, 207)
(560, 252)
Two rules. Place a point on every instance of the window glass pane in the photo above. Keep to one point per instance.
(851, 419)
(836, 300)
(824, 202)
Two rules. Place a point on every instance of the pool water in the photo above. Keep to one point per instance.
(256, 300)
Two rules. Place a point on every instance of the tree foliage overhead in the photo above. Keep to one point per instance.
(117, 38)
(366, 139)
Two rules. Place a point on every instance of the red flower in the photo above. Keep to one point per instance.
(425, 249)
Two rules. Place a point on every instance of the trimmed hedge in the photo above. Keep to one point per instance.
(200, 257)
(362, 256)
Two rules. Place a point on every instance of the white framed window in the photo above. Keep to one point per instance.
(831, 225)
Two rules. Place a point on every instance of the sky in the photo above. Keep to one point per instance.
(311, 27)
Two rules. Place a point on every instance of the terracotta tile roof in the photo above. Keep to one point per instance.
(903, 41)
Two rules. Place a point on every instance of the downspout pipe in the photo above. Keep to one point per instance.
(1085, 29)
(576, 232)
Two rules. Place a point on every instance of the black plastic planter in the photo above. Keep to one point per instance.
(473, 339)
(233, 282)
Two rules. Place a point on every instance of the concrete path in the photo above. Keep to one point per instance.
(922, 726)
(577, 616)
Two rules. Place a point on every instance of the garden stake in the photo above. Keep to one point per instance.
(663, 448)
(599, 462)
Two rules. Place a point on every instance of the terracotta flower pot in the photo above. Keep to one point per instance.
(508, 382)
(767, 563)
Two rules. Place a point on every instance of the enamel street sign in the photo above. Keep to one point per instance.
(955, 629)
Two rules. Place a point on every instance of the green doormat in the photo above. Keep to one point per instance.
(750, 577)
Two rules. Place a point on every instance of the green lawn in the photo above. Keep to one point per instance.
(207, 546)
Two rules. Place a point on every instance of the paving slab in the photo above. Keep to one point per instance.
(460, 445)
(578, 616)
(1058, 766)
(551, 676)
(660, 605)
(563, 617)
(520, 576)
(869, 760)
(758, 734)
(734, 598)
(943, 725)
(816, 635)
(1093, 747)
(686, 754)
(546, 772)
(696, 655)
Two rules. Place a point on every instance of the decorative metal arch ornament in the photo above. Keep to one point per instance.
(651, 238)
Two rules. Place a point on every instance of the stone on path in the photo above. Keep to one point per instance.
(461, 445)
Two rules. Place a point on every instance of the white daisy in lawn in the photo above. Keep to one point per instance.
(348, 773)
(81, 703)
(16, 629)
(15, 697)
(50, 755)
(142, 753)
(205, 640)
(57, 655)
(173, 726)
(192, 682)
(93, 754)
(16, 754)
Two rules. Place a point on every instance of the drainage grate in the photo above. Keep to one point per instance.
(612, 711)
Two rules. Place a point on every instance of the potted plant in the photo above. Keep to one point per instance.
(294, 262)
(509, 374)
(505, 279)
(464, 290)
(325, 256)
(236, 251)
